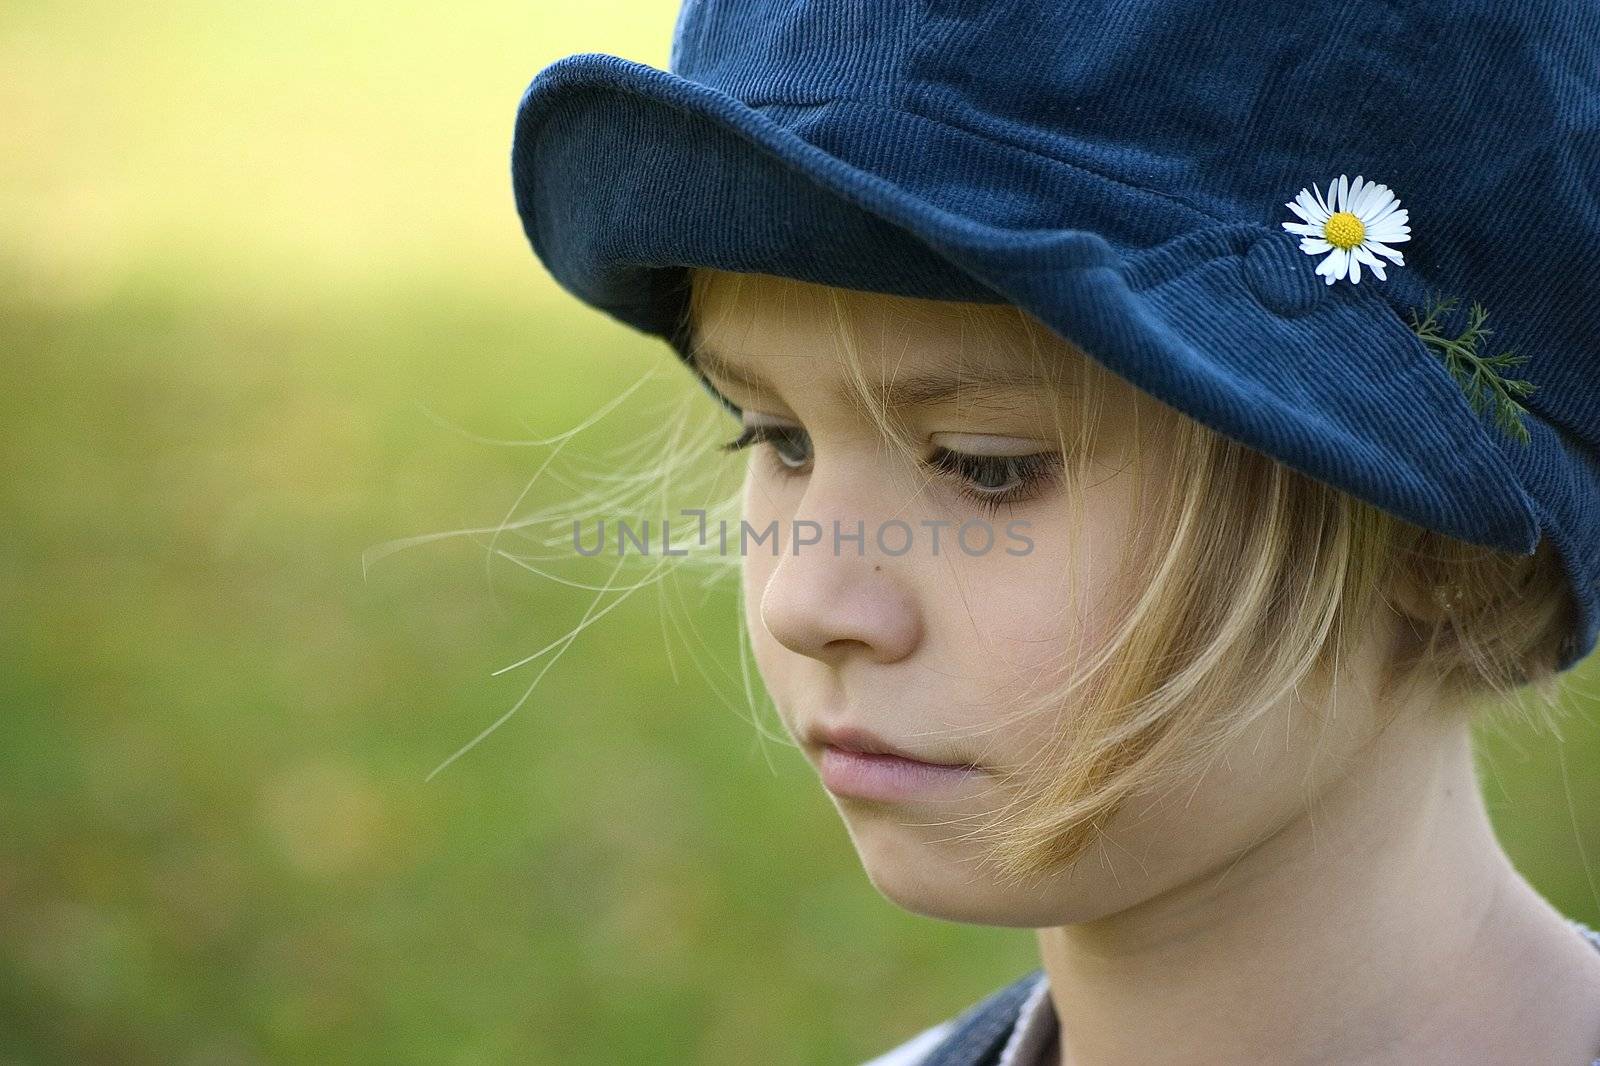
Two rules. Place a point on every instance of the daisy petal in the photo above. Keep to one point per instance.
(1388, 253)
(1372, 261)
(1314, 245)
(1344, 193)
(1334, 265)
(1378, 204)
(1301, 212)
(1303, 227)
(1387, 238)
(1355, 270)
(1306, 201)
(1388, 213)
(1357, 189)
(1388, 225)
(1370, 198)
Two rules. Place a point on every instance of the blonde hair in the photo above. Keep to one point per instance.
(1253, 581)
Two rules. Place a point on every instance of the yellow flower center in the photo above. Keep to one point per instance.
(1344, 230)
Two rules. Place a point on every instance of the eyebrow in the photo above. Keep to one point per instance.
(962, 380)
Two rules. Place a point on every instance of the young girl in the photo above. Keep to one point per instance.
(1136, 569)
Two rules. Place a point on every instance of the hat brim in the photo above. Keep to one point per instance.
(625, 174)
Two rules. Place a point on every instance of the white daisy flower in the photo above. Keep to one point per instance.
(1355, 225)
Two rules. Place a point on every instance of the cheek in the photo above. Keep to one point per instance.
(1058, 599)
(756, 564)
(1271, 776)
(755, 568)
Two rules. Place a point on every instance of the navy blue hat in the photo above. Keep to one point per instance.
(1359, 237)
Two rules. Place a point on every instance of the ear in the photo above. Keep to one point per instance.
(1424, 611)
(1421, 613)
(1425, 601)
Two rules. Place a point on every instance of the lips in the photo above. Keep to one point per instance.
(864, 741)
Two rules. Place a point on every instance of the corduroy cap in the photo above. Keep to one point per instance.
(1249, 210)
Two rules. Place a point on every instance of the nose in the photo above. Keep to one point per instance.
(831, 598)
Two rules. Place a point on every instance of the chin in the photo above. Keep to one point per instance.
(920, 870)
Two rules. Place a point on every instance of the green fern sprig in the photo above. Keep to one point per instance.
(1478, 376)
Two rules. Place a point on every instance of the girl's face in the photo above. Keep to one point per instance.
(927, 646)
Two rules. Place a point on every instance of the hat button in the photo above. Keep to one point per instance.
(1283, 277)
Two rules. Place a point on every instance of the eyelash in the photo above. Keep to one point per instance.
(1034, 472)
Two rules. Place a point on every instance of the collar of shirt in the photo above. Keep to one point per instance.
(1035, 1029)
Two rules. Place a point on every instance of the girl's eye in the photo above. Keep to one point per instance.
(780, 437)
(991, 481)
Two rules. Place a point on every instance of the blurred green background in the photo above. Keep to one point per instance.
(263, 296)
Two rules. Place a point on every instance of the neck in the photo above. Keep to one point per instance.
(1383, 925)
